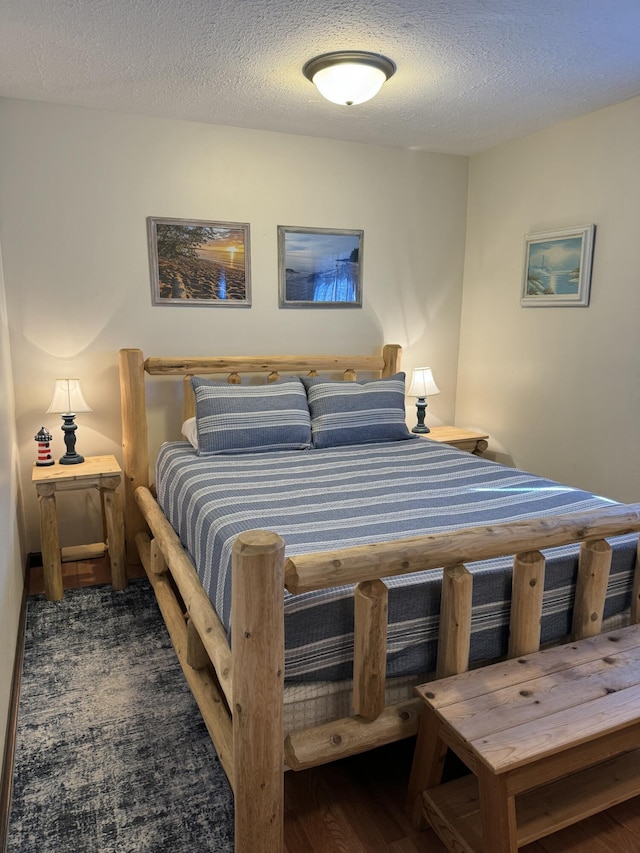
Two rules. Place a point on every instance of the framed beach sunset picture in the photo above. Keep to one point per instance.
(196, 262)
(319, 267)
(557, 267)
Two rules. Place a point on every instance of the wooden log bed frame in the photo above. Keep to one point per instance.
(239, 690)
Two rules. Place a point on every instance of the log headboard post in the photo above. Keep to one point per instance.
(391, 354)
(188, 398)
(135, 452)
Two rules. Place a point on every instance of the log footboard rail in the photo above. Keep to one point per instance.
(240, 688)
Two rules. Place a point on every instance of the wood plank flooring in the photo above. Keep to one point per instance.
(357, 805)
(79, 573)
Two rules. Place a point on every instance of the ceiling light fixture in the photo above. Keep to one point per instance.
(349, 76)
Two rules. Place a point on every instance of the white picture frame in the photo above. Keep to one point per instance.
(557, 268)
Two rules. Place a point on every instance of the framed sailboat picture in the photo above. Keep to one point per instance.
(557, 268)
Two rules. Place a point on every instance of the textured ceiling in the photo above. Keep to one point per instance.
(471, 73)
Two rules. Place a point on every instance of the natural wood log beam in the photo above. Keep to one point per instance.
(264, 364)
(526, 603)
(205, 619)
(257, 616)
(197, 656)
(385, 559)
(72, 553)
(158, 563)
(370, 648)
(135, 451)
(349, 736)
(591, 588)
(212, 706)
(454, 637)
(188, 399)
(391, 355)
(145, 549)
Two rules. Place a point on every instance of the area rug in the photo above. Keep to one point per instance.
(112, 755)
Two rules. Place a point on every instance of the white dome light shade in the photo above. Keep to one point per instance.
(349, 83)
(349, 77)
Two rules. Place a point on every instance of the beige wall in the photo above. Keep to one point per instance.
(76, 187)
(11, 579)
(557, 388)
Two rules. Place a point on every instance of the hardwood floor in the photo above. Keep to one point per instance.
(79, 573)
(357, 805)
(354, 806)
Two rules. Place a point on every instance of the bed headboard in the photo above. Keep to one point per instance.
(134, 369)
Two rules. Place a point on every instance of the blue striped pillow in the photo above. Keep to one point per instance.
(357, 412)
(251, 418)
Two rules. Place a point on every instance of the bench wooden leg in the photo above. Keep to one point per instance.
(497, 813)
(428, 764)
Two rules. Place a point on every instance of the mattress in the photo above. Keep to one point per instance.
(323, 499)
(310, 703)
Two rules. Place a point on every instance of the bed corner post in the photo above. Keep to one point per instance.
(135, 452)
(257, 648)
(391, 354)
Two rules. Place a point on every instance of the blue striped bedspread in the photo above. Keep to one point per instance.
(325, 499)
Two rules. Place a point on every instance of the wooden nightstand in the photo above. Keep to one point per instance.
(96, 472)
(465, 439)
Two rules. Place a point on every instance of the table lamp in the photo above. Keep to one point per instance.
(423, 385)
(67, 400)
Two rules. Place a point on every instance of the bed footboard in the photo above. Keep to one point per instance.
(245, 718)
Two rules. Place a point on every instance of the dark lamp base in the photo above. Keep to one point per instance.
(421, 407)
(71, 459)
(69, 429)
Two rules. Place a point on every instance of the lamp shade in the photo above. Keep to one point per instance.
(422, 383)
(67, 397)
(350, 76)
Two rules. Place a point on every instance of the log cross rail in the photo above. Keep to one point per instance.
(160, 366)
(308, 572)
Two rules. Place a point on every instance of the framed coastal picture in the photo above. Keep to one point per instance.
(319, 267)
(196, 262)
(557, 267)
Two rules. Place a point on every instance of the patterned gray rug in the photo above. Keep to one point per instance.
(112, 755)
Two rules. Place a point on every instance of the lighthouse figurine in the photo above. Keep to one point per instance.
(44, 449)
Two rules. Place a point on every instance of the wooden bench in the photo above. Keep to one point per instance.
(523, 726)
